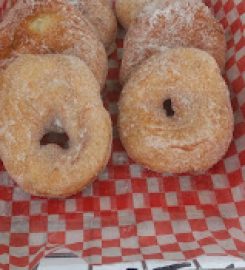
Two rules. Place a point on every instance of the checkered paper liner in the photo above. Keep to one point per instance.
(130, 213)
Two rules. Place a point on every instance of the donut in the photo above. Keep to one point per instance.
(54, 27)
(175, 112)
(51, 112)
(127, 10)
(172, 23)
(7, 28)
(108, 3)
(101, 15)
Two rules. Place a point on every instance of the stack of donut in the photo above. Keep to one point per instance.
(55, 26)
(175, 112)
(55, 134)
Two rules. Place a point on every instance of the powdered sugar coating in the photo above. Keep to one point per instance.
(102, 17)
(198, 134)
(42, 27)
(52, 93)
(127, 10)
(172, 23)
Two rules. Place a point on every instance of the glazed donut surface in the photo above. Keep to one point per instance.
(48, 97)
(172, 23)
(175, 112)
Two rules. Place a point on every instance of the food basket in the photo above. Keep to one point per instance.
(131, 213)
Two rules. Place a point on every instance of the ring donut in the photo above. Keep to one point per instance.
(51, 112)
(54, 27)
(8, 26)
(101, 15)
(175, 112)
(127, 10)
(172, 23)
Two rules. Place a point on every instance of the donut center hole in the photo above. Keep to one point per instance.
(59, 138)
(168, 107)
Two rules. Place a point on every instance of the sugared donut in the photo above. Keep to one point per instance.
(172, 23)
(108, 2)
(47, 101)
(175, 112)
(7, 29)
(101, 15)
(127, 10)
(54, 27)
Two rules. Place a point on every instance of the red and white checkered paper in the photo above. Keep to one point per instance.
(131, 213)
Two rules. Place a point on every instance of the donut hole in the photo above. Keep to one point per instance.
(59, 138)
(168, 107)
